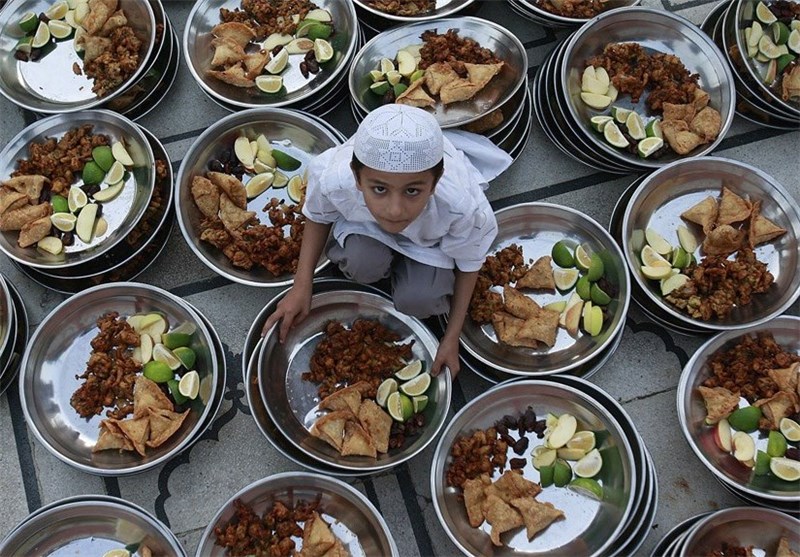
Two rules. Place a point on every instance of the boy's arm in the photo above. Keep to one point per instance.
(294, 307)
(447, 355)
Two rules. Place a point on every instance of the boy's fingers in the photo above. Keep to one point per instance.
(286, 324)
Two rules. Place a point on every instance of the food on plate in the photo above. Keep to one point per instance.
(254, 45)
(713, 286)
(131, 370)
(45, 200)
(234, 183)
(403, 7)
(446, 66)
(517, 318)
(680, 118)
(270, 534)
(582, 9)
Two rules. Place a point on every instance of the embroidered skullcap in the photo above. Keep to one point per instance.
(399, 138)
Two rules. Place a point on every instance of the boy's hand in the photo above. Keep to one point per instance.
(447, 356)
(291, 310)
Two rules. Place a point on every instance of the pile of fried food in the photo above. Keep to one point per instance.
(735, 550)
(236, 66)
(111, 47)
(717, 284)
(112, 380)
(517, 319)
(579, 9)
(758, 369)
(51, 167)
(265, 17)
(270, 535)
(230, 227)
(403, 7)
(456, 69)
(687, 121)
(354, 425)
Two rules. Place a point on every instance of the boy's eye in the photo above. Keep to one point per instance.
(412, 191)
(379, 189)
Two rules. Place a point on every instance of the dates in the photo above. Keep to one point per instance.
(521, 446)
(304, 68)
(528, 420)
(517, 463)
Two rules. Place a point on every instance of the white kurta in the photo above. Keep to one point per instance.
(457, 226)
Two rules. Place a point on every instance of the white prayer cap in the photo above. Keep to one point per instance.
(399, 138)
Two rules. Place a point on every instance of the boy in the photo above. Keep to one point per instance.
(404, 203)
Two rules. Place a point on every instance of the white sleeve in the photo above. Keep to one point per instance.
(318, 207)
(470, 237)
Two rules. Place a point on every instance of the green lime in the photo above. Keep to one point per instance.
(680, 258)
(158, 372)
(582, 258)
(420, 403)
(92, 173)
(24, 45)
(285, 161)
(745, 419)
(565, 279)
(780, 32)
(410, 371)
(599, 122)
(386, 388)
(186, 355)
(784, 60)
(416, 75)
(29, 22)
(269, 84)
(562, 254)
(562, 473)
(399, 406)
(588, 487)
(596, 268)
(776, 444)
(584, 288)
(60, 30)
(179, 336)
(305, 26)
(648, 146)
(794, 39)
(785, 468)
(399, 89)
(653, 128)
(380, 87)
(764, 14)
(323, 50)
(546, 474)
(635, 126)
(59, 203)
(599, 297)
(614, 136)
(620, 114)
(417, 386)
(762, 463)
(319, 31)
(174, 390)
(42, 36)
(189, 385)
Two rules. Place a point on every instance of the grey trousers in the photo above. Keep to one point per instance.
(418, 290)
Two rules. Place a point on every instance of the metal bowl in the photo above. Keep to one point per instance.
(6, 314)
(308, 138)
(660, 550)
(744, 15)
(58, 351)
(49, 85)
(292, 402)
(20, 321)
(656, 30)
(500, 40)
(563, 21)
(197, 48)
(353, 519)
(692, 413)
(590, 526)
(752, 527)
(122, 214)
(536, 227)
(90, 527)
(664, 195)
(444, 8)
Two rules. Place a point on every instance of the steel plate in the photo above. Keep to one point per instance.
(443, 8)
(61, 342)
(306, 137)
(292, 402)
(590, 526)
(505, 45)
(536, 227)
(11, 367)
(353, 519)
(50, 85)
(530, 9)
(678, 530)
(659, 31)
(664, 195)
(197, 48)
(692, 412)
(790, 508)
(152, 100)
(6, 316)
(122, 213)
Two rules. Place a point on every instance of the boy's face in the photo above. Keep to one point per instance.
(395, 199)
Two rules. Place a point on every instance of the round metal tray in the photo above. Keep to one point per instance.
(292, 402)
(58, 350)
(443, 8)
(49, 85)
(14, 353)
(197, 48)
(692, 413)
(660, 550)
(661, 198)
(532, 10)
(505, 45)
(353, 519)
(536, 227)
(307, 139)
(122, 213)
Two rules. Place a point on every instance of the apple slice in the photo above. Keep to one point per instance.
(744, 448)
(563, 431)
(722, 435)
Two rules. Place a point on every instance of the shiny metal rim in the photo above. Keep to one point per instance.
(398, 19)
(676, 532)
(21, 322)
(150, 99)
(561, 20)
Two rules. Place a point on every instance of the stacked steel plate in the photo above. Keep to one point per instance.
(374, 19)
(537, 12)
(507, 92)
(566, 119)
(317, 93)
(140, 220)
(756, 100)
(51, 85)
(13, 332)
(615, 520)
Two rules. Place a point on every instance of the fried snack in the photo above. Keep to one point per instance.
(481, 74)
(234, 75)
(11, 200)
(680, 138)
(231, 215)
(31, 186)
(512, 485)
(683, 112)
(226, 52)
(438, 75)
(501, 516)
(231, 186)
(111, 438)
(137, 430)
(348, 398)
(536, 516)
(206, 196)
(723, 240)
(330, 428)
(761, 229)
(163, 424)
(540, 275)
(16, 219)
(704, 213)
(33, 231)
(377, 423)
(357, 441)
(116, 21)
(235, 32)
(707, 124)
(337, 550)
(732, 208)
(317, 537)
(518, 304)
(474, 497)
(543, 327)
(458, 90)
(784, 550)
(774, 409)
(99, 12)
(509, 329)
(787, 378)
(719, 401)
(415, 96)
(254, 63)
